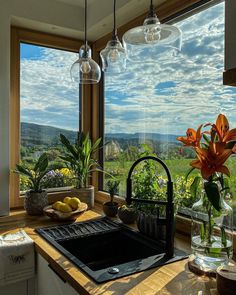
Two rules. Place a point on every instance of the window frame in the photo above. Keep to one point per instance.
(174, 10)
(19, 35)
(167, 12)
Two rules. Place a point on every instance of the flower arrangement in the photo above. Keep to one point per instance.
(212, 217)
(213, 148)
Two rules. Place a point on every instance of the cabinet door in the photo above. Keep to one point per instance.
(48, 282)
(26, 287)
(17, 288)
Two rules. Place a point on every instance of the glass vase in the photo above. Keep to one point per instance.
(211, 234)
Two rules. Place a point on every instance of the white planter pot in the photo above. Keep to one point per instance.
(86, 195)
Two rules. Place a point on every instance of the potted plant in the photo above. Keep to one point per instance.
(127, 214)
(79, 159)
(36, 198)
(111, 208)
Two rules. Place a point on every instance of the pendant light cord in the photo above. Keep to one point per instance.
(114, 32)
(114, 14)
(85, 26)
(152, 12)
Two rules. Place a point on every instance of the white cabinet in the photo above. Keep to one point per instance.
(48, 282)
(20, 288)
(17, 288)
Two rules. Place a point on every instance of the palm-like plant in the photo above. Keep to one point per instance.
(113, 188)
(79, 158)
(36, 173)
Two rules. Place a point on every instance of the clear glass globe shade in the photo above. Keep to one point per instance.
(85, 71)
(152, 33)
(85, 67)
(113, 55)
(152, 30)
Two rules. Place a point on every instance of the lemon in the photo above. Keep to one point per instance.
(74, 203)
(56, 205)
(67, 200)
(65, 208)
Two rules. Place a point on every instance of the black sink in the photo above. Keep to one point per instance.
(106, 250)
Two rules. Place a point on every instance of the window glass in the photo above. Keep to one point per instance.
(152, 104)
(49, 105)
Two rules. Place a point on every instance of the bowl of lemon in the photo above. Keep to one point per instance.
(68, 209)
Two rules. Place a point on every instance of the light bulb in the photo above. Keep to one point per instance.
(152, 34)
(85, 67)
(113, 55)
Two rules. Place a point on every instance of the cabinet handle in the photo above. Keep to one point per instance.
(60, 277)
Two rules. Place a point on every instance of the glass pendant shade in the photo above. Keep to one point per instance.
(113, 57)
(151, 39)
(85, 70)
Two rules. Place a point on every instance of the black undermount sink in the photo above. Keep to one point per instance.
(106, 250)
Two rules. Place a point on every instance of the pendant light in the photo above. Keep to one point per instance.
(152, 38)
(113, 56)
(85, 70)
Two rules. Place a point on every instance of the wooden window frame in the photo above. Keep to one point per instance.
(19, 35)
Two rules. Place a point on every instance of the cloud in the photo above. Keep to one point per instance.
(47, 94)
(167, 96)
(176, 92)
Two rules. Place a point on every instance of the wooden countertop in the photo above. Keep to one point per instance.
(173, 278)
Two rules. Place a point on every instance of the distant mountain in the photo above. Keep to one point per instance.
(141, 136)
(34, 134)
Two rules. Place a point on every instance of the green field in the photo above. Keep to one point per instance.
(177, 167)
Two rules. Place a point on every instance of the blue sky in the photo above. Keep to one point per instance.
(48, 96)
(168, 96)
(175, 92)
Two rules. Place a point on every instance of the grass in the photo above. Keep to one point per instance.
(177, 167)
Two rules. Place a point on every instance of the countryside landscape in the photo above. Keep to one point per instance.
(120, 151)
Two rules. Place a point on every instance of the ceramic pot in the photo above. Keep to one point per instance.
(110, 209)
(34, 202)
(85, 194)
(127, 215)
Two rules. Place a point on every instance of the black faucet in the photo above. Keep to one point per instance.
(169, 220)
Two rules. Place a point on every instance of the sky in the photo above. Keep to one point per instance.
(48, 95)
(169, 95)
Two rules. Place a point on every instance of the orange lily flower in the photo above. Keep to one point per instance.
(211, 160)
(193, 137)
(222, 129)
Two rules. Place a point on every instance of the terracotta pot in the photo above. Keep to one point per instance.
(110, 209)
(34, 202)
(85, 194)
(127, 216)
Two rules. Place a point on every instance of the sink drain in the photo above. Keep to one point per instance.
(113, 270)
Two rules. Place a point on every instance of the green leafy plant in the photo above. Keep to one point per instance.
(113, 188)
(35, 174)
(148, 184)
(79, 158)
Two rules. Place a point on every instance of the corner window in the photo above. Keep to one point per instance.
(49, 105)
(151, 104)
(44, 103)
